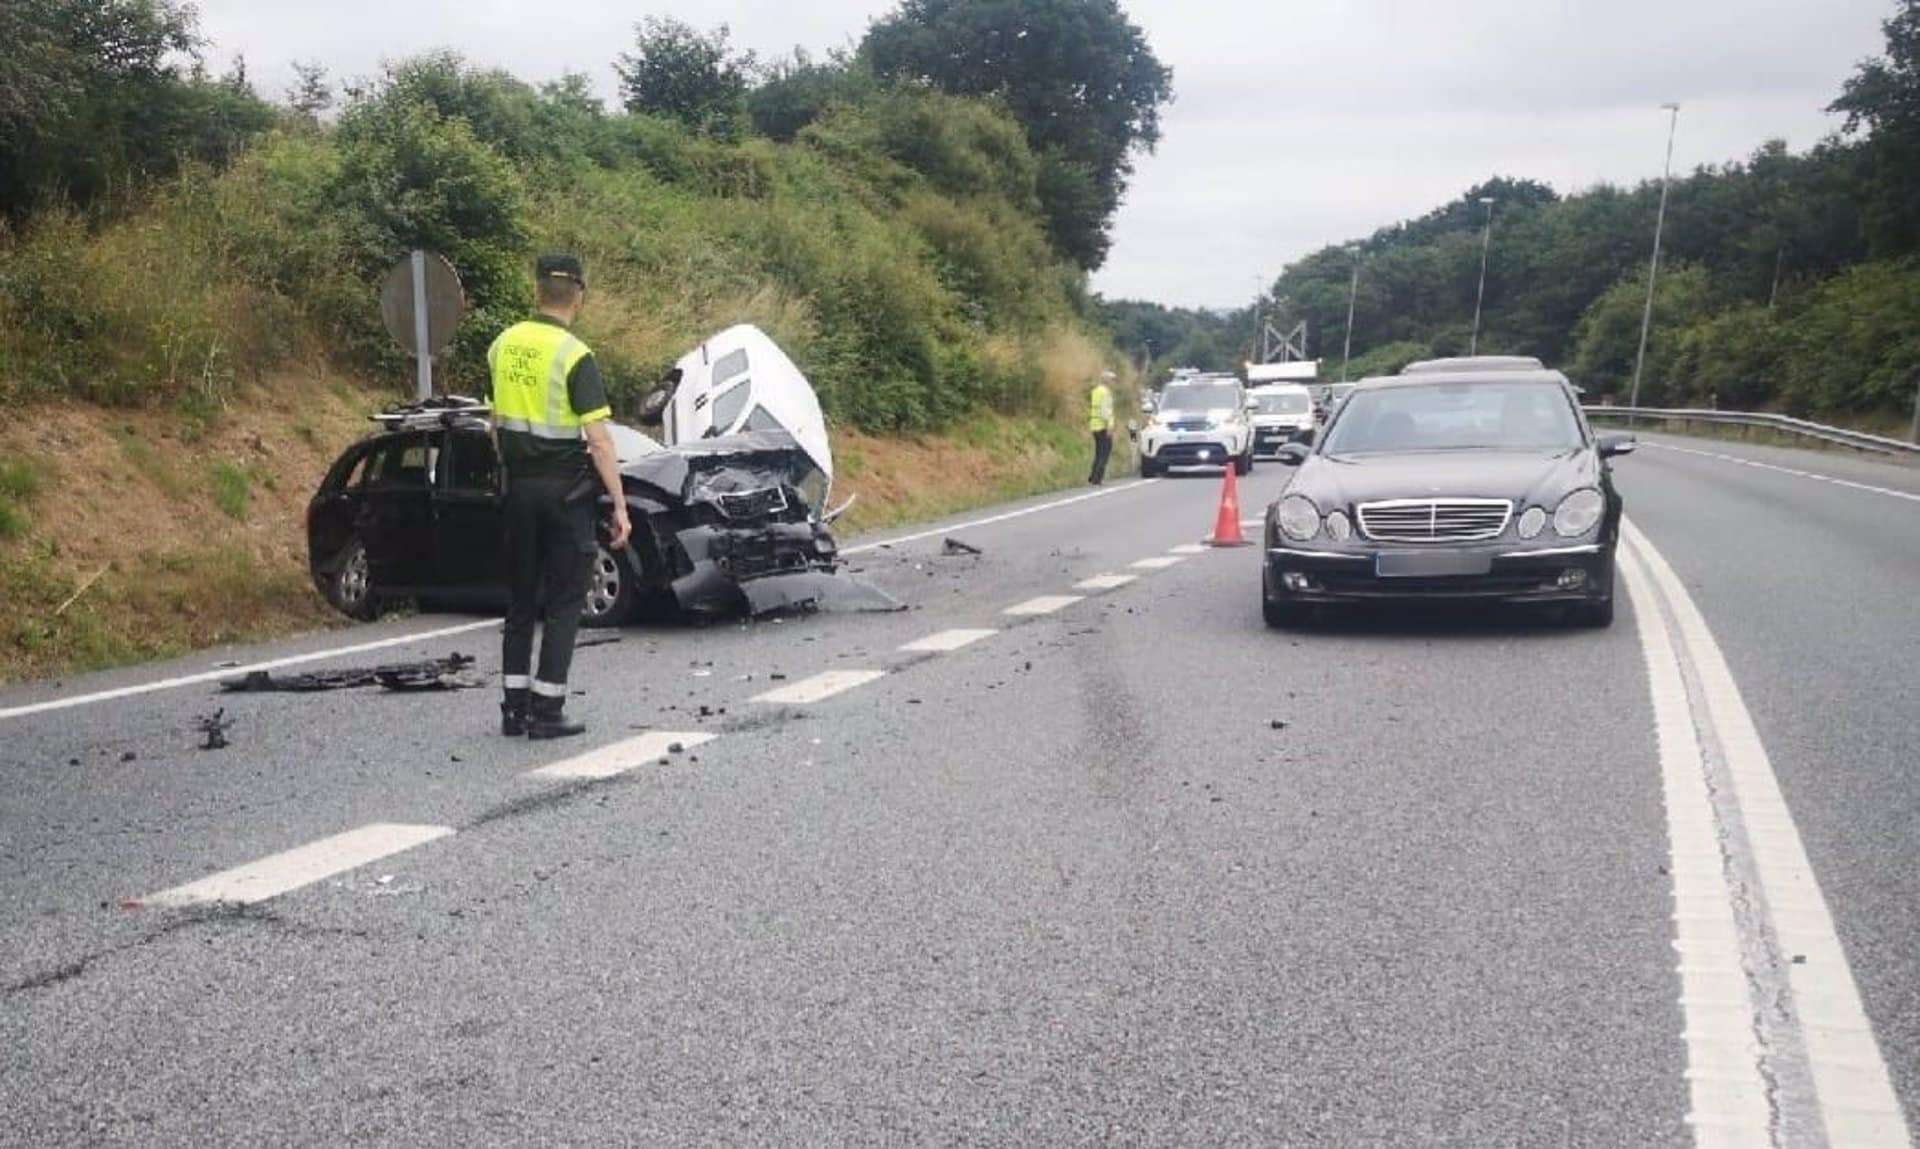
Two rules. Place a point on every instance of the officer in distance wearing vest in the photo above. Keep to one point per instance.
(550, 412)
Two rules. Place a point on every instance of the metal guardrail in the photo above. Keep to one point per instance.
(1858, 440)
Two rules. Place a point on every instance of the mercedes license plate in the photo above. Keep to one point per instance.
(1431, 564)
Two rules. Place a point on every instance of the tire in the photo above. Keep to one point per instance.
(613, 590)
(1282, 615)
(1591, 615)
(1243, 466)
(1148, 468)
(350, 586)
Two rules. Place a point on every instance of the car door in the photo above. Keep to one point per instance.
(396, 512)
(469, 528)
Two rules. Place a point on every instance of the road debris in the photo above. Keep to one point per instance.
(454, 672)
(953, 546)
(214, 728)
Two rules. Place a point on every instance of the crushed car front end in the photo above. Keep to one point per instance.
(729, 524)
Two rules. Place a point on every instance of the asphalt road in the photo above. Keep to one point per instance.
(1132, 870)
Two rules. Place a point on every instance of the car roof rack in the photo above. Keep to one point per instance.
(433, 414)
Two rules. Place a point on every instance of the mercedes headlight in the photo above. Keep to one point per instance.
(1299, 518)
(1533, 522)
(1578, 513)
(1339, 526)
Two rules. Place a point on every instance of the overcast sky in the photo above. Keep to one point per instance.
(1296, 124)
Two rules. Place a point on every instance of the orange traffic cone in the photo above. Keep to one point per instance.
(1226, 525)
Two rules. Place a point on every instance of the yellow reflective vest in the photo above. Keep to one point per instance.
(1100, 408)
(530, 362)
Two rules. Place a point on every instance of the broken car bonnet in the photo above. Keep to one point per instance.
(740, 381)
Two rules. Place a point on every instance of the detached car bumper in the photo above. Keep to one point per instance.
(1563, 574)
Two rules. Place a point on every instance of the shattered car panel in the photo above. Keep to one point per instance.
(739, 382)
(739, 515)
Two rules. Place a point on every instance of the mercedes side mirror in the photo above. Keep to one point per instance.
(1611, 445)
(1291, 454)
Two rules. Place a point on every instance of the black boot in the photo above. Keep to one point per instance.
(545, 720)
(513, 713)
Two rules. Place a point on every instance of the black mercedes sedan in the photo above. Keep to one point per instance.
(1448, 485)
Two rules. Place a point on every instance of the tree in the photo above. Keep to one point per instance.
(311, 95)
(691, 76)
(797, 91)
(1883, 97)
(1077, 74)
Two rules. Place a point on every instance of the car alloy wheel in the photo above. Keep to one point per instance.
(604, 584)
(353, 584)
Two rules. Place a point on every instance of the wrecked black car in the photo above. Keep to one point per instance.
(720, 525)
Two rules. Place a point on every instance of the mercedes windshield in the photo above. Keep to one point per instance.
(1519, 416)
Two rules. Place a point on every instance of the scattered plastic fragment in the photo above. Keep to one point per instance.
(954, 546)
(214, 728)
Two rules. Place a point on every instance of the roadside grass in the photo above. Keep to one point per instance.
(232, 489)
(145, 607)
(151, 465)
(986, 459)
(20, 481)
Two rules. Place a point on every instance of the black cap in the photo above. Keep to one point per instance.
(560, 267)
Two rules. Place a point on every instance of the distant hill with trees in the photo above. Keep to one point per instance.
(1788, 280)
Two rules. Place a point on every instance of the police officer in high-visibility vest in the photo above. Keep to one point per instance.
(550, 413)
(1100, 422)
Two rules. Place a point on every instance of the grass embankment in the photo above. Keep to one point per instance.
(132, 535)
(181, 369)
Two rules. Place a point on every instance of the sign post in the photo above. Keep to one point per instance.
(421, 303)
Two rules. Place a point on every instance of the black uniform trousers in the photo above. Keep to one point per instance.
(1102, 451)
(550, 548)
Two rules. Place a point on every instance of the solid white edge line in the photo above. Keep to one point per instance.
(1045, 604)
(948, 641)
(1850, 1079)
(241, 671)
(1798, 474)
(1102, 493)
(289, 870)
(1727, 1093)
(622, 756)
(820, 687)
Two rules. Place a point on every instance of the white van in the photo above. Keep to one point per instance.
(1282, 413)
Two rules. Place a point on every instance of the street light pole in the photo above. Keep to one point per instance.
(1353, 290)
(1653, 269)
(1486, 244)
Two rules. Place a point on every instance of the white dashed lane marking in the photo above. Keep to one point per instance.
(301, 866)
(820, 687)
(1161, 563)
(1189, 549)
(1045, 604)
(609, 761)
(1105, 582)
(947, 641)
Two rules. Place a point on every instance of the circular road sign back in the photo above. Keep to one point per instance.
(446, 302)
